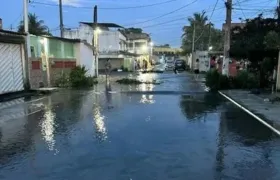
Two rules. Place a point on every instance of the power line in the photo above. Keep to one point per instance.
(113, 8)
(209, 21)
(14, 21)
(242, 10)
(163, 15)
(166, 22)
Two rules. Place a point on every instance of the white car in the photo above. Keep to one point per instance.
(159, 68)
(169, 65)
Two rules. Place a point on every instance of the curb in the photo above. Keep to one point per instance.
(251, 113)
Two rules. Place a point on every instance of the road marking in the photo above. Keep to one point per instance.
(252, 114)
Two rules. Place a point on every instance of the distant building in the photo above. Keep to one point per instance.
(167, 53)
(139, 44)
(112, 43)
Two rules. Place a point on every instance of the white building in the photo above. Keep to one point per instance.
(111, 43)
(139, 43)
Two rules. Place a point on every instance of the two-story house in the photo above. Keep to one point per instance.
(139, 43)
(112, 43)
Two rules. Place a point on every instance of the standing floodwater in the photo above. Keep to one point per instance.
(162, 135)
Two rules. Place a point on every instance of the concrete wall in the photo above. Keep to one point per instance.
(86, 58)
(109, 41)
(116, 63)
(84, 32)
(38, 75)
(204, 60)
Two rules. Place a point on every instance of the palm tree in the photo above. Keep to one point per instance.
(199, 21)
(36, 26)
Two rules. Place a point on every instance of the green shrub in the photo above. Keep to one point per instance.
(246, 80)
(216, 81)
(63, 81)
(78, 78)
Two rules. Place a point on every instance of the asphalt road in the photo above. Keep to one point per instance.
(170, 131)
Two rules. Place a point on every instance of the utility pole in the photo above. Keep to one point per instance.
(209, 40)
(278, 65)
(95, 40)
(61, 19)
(227, 38)
(27, 51)
(193, 46)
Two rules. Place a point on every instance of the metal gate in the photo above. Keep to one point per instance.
(11, 69)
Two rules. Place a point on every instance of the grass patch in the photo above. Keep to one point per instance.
(135, 81)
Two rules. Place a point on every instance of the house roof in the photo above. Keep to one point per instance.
(2, 31)
(11, 37)
(63, 39)
(106, 25)
(59, 38)
(135, 36)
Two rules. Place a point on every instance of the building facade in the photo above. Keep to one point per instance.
(51, 57)
(139, 44)
(112, 43)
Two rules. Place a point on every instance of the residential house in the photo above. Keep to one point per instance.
(111, 43)
(139, 44)
(51, 57)
(168, 53)
(13, 74)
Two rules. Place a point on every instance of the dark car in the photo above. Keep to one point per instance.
(180, 64)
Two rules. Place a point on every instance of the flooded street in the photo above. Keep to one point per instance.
(178, 131)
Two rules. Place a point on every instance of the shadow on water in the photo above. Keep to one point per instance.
(244, 146)
(245, 127)
(196, 106)
(14, 144)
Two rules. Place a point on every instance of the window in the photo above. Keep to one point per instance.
(69, 50)
(139, 44)
(55, 48)
(33, 53)
(130, 45)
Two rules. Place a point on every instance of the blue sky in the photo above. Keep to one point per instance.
(170, 32)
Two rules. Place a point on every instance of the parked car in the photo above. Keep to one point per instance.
(180, 64)
(159, 68)
(169, 65)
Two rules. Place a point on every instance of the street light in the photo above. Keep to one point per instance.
(210, 48)
(98, 30)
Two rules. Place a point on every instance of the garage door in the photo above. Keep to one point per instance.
(11, 72)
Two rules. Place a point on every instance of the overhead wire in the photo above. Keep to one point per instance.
(209, 20)
(113, 8)
(165, 14)
(242, 10)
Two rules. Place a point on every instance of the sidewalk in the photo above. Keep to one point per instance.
(257, 106)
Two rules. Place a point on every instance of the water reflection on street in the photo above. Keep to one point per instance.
(79, 134)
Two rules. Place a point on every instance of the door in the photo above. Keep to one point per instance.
(17, 67)
(11, 72)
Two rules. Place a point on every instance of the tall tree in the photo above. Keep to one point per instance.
(204, 31)
(36, 26)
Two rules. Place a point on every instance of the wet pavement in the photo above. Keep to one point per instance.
(124, 134)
